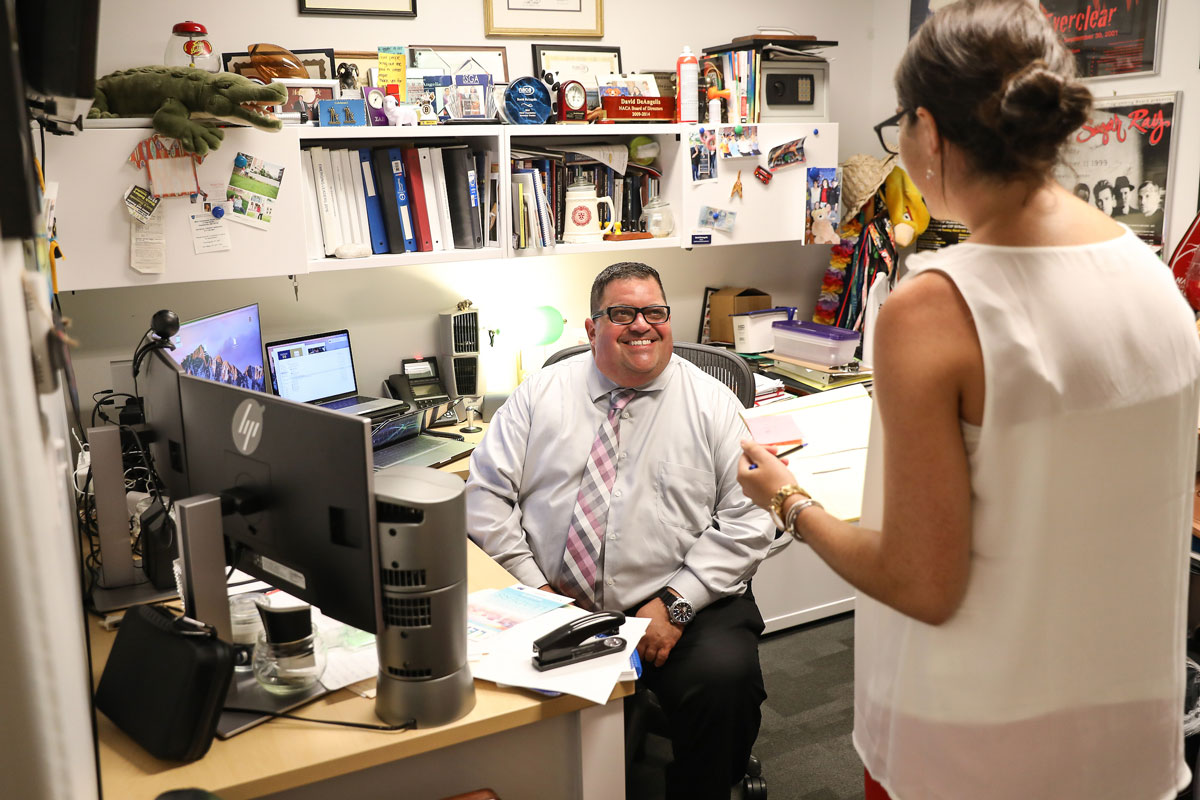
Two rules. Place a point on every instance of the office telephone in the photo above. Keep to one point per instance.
(569, 644)
(420, 385)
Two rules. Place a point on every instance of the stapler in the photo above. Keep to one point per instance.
(569, 644)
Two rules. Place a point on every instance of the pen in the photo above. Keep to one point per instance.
(784, 453)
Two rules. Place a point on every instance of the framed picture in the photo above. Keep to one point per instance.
(702, 337)
(1119, 39)
(587, 64)
(369, 8)
(1121, 160)
(449, 60)
(543, 18)
(303, 95)
(319, 64)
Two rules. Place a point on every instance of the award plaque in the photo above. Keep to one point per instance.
(572, 102)
(625, 108)
(527, 102)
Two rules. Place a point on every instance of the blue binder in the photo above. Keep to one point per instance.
(396, 155)
(379, 237)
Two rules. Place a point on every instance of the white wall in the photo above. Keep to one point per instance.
(391, 312)
(1179, 71)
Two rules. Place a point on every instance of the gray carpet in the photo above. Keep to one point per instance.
(804, 743)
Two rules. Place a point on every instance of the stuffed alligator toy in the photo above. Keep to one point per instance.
(182, 98)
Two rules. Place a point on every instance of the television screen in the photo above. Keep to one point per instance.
(224, 347)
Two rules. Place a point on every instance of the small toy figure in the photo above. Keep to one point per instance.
(737, 187)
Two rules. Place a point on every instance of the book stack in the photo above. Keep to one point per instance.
(398, 200)
(807, 377)
(540, 177)
(768, 390)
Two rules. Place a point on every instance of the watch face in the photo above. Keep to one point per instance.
(681, 612)
(375, 99)
(575, 96)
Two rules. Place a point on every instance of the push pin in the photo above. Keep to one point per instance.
(218, 211)
(737, 187)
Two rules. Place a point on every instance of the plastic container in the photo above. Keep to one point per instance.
(285, 667)
(752, 331)
(687, 82)
(826, 345)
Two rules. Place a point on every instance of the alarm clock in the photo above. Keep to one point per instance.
(374, 97)
(572, 102)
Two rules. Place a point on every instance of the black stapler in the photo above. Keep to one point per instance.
(569, 644)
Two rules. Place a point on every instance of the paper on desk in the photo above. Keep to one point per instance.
(510, 661)
(832, 466)
(493, 611)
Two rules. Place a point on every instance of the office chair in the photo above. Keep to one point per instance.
(724, 365)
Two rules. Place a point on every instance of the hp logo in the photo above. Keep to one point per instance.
(247, 426)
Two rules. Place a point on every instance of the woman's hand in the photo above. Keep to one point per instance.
(761, 474)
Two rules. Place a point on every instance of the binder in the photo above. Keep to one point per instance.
(375, 221)
(416, 199)
(432, 213)
(385, 180)
(340, 189)
(442, 198)
(313, 237)
(357, 198)
(462, 196)
(331, 228)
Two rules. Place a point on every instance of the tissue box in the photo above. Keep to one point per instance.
(732, 300)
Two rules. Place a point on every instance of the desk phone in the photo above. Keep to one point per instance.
(418, 383)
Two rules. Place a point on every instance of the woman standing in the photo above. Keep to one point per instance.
(1022, 555)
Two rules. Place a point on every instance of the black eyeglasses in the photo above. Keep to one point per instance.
(625, 315)
(888, 132)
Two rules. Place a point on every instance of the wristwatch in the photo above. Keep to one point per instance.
(777, 501)
(679, 611)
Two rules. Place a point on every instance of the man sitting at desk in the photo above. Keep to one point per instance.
(611, 477)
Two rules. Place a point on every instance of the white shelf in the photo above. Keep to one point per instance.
(310, 133)
(600, 131)
(598, 247)
(404, 259)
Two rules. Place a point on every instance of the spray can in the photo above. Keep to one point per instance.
(687, 79)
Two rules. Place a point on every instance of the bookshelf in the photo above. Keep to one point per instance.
(93, 169)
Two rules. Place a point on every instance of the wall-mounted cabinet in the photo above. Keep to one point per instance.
(93, 170)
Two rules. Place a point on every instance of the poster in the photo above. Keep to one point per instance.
(1120, 160)
(1113, 37)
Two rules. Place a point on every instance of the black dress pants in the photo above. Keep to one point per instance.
(711, 688)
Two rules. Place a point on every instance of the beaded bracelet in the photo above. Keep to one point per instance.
(789, 522)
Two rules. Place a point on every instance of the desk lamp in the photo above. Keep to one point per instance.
(538, 329)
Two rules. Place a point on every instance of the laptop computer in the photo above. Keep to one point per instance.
(319, 369)
(401, 441)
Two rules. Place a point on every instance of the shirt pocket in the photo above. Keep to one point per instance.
(686, 496)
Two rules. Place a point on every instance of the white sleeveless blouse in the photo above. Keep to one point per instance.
(1061, 675)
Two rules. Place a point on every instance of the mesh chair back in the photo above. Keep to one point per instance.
(724, 365)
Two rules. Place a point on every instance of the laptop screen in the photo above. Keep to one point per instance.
(224, 347)
(308, 368)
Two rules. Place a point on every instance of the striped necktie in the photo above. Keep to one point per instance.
(583, 558)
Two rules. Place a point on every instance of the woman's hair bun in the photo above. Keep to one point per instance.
(1040, 105)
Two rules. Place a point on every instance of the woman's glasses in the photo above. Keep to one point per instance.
(888, 132)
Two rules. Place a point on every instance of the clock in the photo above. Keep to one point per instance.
(374, 96)
(572, 102)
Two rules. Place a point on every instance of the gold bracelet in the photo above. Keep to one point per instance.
(776, 504)
(794, 513)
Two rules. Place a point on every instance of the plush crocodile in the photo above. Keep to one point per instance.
(181, 98)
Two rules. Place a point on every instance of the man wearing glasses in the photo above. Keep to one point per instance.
(611, 477)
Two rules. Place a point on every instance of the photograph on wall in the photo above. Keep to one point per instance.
(738, 141)
(1120, 161)
(822, 206)
(702, 143)
(1110, 38)
(253, 189)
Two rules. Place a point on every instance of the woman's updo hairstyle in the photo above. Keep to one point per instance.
(999, 83)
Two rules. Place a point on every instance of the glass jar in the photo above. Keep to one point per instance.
(657, 218)
(188, 46)
(285, 667)
(246, 625)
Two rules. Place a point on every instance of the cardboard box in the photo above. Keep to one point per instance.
(732, 300)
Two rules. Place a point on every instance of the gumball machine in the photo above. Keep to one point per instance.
(188, 46)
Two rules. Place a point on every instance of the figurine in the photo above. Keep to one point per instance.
(397, 114)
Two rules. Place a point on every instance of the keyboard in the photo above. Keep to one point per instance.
(394, 454)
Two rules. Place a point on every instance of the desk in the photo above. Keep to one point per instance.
(516, 742)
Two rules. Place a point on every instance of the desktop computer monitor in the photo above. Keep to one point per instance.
(224, 347)
(296, 483)
(158, 386)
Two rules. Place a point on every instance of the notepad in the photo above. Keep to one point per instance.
(775, 430)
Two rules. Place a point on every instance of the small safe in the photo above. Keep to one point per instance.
(792, 91)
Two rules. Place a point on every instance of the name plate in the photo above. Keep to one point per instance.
(642, 109)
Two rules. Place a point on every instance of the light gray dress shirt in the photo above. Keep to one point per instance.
(677, 516)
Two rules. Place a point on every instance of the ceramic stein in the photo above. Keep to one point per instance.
(582, 222)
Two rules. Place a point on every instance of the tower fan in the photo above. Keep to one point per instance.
(458, 333)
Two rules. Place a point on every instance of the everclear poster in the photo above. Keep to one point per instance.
(1108, 37)
(1120, 161)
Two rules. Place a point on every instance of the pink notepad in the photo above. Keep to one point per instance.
(775, 429)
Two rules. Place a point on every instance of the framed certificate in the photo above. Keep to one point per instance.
(543, 17)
